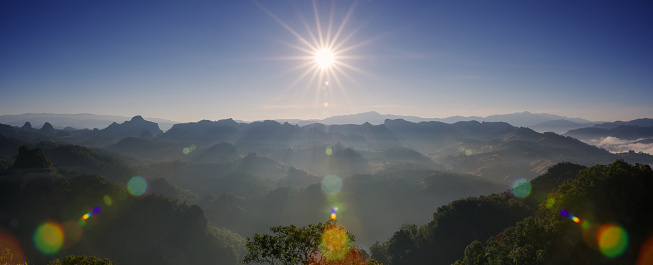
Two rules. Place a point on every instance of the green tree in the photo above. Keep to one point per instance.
(321, 243)
(81, 260)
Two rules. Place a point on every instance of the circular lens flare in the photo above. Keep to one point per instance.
(48, 238)
(613, 240)
(107, 200)
(324, 58)
(646, 253)
(137, 186)
(335, 243)
(331, 184)
(521, 188)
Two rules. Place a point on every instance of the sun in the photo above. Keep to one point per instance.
(325, 52)
(324, 58)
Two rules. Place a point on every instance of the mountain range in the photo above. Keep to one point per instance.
(537, 121)
(76, 121)
(225, 180)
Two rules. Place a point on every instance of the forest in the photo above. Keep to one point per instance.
(268, 193)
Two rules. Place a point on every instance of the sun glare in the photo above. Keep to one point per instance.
(324, 58)
(324, 53)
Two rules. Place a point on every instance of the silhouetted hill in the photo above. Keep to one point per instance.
(130, 229)
(29, 136)
(459, 223)
(9, 146)
(595, 218)
(219, 152)
(148, 149)
(132, 128)
(29, 157)
(78, 121)
(203, 132)
(264, 135)
(26, 126)
(85, 160)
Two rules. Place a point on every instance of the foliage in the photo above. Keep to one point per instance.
(147, 229)
(462, 222)
(81, 260)
(617, 194)
(86, 160)
(321, 243)
(29, 157)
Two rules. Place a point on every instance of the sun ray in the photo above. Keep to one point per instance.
(297, 80)
(328, 35)
(327, 62)
(365, 42)
(299, 48)
(342, 26)
(317, 23)
(292, 31)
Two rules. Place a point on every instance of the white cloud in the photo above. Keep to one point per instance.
(617, 145)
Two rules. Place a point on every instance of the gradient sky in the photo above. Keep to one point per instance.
(193, 60)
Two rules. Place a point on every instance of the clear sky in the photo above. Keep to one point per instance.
(254, 60)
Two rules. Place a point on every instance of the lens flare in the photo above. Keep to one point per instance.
(565, 213)
(333, 212)
(331, 184)
(72, 233)
(335, 244)
(137, 186)
(189, 149)
(646, 253)
(468, 152)
(9, 241)
(328, 151)
(521, 188)
(612, 240)
(107, 200)
(48, 238)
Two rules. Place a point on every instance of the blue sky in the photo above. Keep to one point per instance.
(193, 60)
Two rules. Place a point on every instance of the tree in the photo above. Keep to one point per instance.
(81, 260)
(321, 243)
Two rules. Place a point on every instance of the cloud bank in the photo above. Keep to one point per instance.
(617, 145)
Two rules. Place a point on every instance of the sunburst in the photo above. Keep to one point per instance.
(325, 54)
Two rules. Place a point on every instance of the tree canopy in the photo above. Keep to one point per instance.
(321, 243)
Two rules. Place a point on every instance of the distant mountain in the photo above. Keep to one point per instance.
(135, 127)
(627, 132)
(638, 122)
(527, 119)
(77, 121)
(559, 126)
(371, 117)
(520, 119)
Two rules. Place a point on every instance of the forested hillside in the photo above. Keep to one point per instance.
(54, 212)
(570, 215)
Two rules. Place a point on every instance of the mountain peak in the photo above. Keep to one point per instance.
(137, 118)
(27, 126)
